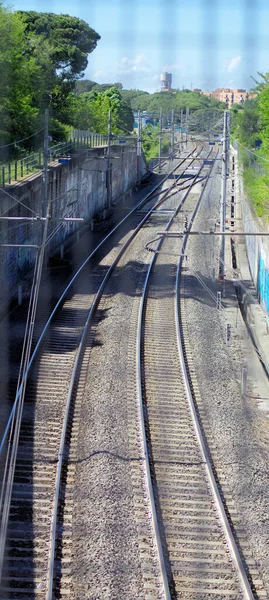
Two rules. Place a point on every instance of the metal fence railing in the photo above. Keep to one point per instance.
(32, 163)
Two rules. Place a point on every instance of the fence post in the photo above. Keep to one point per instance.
(21, 167)
(3, 177)
(27, 165)
(16, 170)
(9, 173)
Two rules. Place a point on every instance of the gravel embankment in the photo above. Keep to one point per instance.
(238, 428)
(107, 554)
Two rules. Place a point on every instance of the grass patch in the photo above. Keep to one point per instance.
(151, 148)
(257, 188)
(256, 180)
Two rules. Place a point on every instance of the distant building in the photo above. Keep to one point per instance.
(166, 82)
(229, 96)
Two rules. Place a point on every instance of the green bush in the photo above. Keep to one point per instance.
(257, 188)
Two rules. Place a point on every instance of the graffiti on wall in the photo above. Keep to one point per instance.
(263, 283)
(77, 190)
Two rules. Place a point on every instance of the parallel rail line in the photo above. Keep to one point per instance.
(197, 553)
(38, 555)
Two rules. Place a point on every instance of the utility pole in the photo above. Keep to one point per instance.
(139, 148)
(203, 128)
(172, 133)
(108, 178)
(187, 122)
(226, 142)
(181, 123)
(46, 162)
(160, 141)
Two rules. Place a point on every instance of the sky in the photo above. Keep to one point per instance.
(204, 43)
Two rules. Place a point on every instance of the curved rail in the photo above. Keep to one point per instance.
(63, 435)
(154, 517)
(91, 255)
(245, 585)
(71, 387)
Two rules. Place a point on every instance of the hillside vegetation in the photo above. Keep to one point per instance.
(250, 127)
(143, 101)
(41, 56)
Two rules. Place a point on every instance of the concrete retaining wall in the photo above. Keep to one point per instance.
(257, 251)
(77, 188)
(257, 247)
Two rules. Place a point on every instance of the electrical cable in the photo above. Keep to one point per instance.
(22, 381)
(22, 140)
(19, 202)
(251, 151)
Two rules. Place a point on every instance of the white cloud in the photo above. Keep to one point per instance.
(100, 74)
(234, 63)
(133, 65)
(173, 67)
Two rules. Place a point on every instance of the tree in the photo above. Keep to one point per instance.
(59, 45)
(168, 101)
(70, 41)
(91, 112)
(41, 57)
(17, 112)
(84, 85)
(263, 109)
(249, 125)
(137, 99)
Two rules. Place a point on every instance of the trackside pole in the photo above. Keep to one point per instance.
(223, 193)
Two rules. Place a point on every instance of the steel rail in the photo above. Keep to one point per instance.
(29, 363)
(22, 385)
(10, 462)
(244, 582)
(50, 578)
(91, 255)
(154, 517)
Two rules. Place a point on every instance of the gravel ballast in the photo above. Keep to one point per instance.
(107, 547)
(237, 428)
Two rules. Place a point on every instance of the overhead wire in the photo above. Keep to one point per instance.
(251, 151)
(19, 202)
(21, 385)
(17, 142)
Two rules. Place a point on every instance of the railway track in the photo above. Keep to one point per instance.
(197, 552)
(37, 535)
(184, 550)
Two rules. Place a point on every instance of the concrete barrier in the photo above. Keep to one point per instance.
(77, 187)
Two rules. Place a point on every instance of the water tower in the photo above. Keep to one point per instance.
(166, 82)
